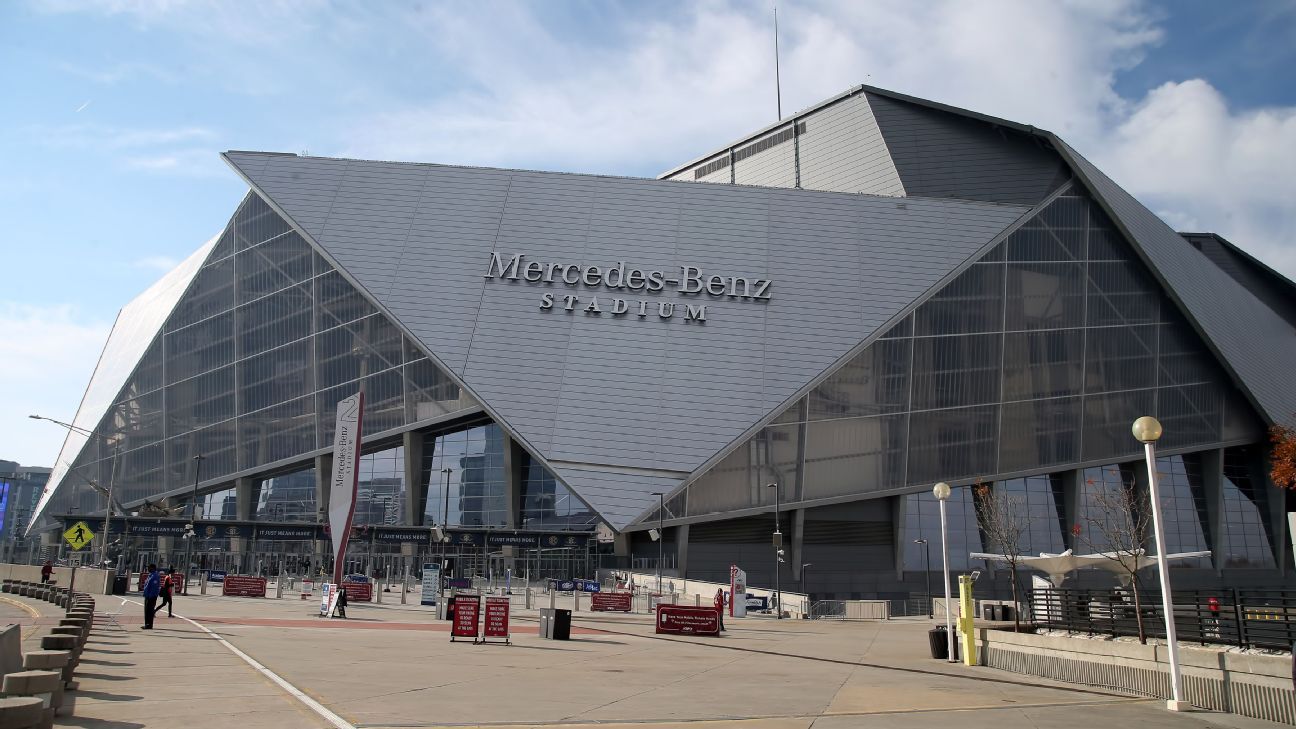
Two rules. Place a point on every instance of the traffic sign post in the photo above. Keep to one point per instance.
(78, 536)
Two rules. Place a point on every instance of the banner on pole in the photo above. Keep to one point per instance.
(343, 485)
(737, 592)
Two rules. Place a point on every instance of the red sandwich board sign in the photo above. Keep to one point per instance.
(688, 620)
(605, 602)
(237, 586)
(466, 610)
(358, 591)
(497, 619)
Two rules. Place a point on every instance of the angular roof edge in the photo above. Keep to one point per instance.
(850, 93)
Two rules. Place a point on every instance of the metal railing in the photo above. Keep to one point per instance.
(1245, 618)
(850, 610)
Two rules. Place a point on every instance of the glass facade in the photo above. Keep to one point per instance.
(380, 491)
(1037, 356)
(1247, 538)
(249, 366)
(922, 521)
(1040, 498)
(547, 504)
(1101, 490)
(1183, 508)
(467, 484)
(290, 497)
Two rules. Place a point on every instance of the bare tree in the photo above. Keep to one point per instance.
(1118, 531)
(1004, 522)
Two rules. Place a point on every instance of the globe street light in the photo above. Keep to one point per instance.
(1147, 430)
(927, 566)
(778, 554)
(942, 492)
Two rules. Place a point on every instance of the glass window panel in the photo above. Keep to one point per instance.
(372, 343)
(256, 223)
(952, 444)
(728, 485)
(1247, 538)
(854, 456)
(1036, 499)
(1183, 508)
(922, 521)
(211, 293)
(289, 497)
(1042, 364)
(1105, 242)
(953, 371)
(972, 302)
(875, 381)
(384, 406)
(380, 493)
(1120, 358)
(200, 401)
(200, 348)
(276, 433)
(1101, 492)
(903, 328)
(217, 445)
(1107, 421)
(547, 504)
(1184, 357)
(1191, 414)
(274, 320)
(278, 375)
(276, 264)
(1121, 293)
(476, 496)
(431, 392)
(1039, 433)
(339, 301)
(1045, 296)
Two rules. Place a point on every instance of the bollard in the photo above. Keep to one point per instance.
(966, 618)
(44, 685)
(405, 587)
(22, 712)
(378, 588)
(528, 598)
(202, 583)
(279, 586)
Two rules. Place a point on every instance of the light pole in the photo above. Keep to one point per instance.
(804, 580)
(191, 531)
(942, 492)
(445, 515)
(112, 480)
(1147, 430)
(778, 554)
(931, 612)
(660, 538)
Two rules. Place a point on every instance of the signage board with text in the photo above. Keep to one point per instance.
(243, 586)
(466, 611)
(431, 584)
(611, 602)
(687, 620)
(497, 619)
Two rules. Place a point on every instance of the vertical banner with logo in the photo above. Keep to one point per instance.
(737, 592)
(342, 487)
(431, 584)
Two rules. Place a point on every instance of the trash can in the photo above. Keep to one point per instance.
(939, 643)
(996, 612)
(561, 624)
(987, 611)
(449, 608)
(1006, 612)
(546, 622)
(120, 584)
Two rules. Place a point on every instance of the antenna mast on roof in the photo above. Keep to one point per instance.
(778, 86)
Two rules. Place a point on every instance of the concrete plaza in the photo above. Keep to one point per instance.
(393, 665)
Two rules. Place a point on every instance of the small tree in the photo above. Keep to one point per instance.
(1119, 531)
(1004, 522)
(1282, 457)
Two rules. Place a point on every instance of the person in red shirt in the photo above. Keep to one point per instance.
(47, 570)
(168, 585)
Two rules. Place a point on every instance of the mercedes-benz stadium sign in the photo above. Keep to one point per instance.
(618, 278)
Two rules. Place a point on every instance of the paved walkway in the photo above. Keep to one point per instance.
(394, 666)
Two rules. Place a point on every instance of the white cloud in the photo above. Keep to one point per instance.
(50, 353)
(156, 263)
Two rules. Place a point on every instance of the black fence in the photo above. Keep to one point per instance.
(1246, 618)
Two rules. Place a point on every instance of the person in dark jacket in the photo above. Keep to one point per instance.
(152, 587)
(168, 587)
(341, 602)
(47, 571)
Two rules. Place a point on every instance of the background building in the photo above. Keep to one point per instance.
(881, 292)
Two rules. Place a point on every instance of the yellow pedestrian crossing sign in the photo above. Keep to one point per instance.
(78, 535)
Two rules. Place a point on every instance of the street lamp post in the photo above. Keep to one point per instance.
(931, 613)
(191, 531)
(445, 515)
(778, 554)
(1147, 430)
(112, 479)
(942, 493)
(661, 538)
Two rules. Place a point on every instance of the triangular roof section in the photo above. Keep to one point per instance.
(137, 325)
(622, 405)
(1253, 341)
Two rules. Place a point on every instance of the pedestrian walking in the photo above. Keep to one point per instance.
(168, 587)
(152, 587)
(341, 602)
(47, 571)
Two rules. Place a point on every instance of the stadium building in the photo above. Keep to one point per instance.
(875, 294)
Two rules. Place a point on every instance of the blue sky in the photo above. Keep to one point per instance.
(115, 113)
